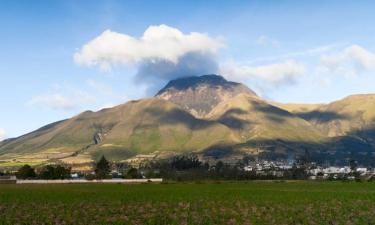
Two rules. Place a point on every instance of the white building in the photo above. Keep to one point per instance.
(361, 170)
(331, 170)
(248, 168)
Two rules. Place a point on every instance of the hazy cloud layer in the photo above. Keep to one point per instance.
(58, 101)
(105, 95)
(264, 40)
(349, 61)
(2, 134)
(310, 52)
(100, 87)
(277, 73)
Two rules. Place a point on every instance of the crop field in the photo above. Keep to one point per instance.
(190, 203)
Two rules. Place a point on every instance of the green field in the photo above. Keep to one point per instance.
(190, 203)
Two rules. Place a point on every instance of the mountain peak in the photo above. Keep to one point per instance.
(200, 94)
(195, 81)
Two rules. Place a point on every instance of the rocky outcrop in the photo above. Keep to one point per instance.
(199, 95)
(98, 138)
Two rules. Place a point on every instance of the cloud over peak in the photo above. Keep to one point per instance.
(157, 43)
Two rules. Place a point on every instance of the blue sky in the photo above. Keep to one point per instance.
(288, 51)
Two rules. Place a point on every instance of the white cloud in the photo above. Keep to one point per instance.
(2, 134)
(363, 57)
(157, 43)
(58, 101)
(267, 41)
(349, 61)
(276, 73)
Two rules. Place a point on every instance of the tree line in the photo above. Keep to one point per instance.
(189, 167)
(48, 172)
(102, 170)
(180, 168)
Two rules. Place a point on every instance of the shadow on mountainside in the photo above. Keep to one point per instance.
(179, 116)
(218, 151)
(357, 145)
(230, 119)
(272, 113)
(317, 115)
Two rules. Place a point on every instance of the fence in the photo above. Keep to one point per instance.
(81, 181)
(7, 179)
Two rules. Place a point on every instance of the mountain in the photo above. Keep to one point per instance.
(199, 95)
(137, 127)
(208, 116)
(264, 129)
(353, 113)
(339, 118)
(348, 123)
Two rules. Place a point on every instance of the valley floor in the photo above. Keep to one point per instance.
(294, 202)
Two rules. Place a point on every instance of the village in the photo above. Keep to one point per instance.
(184, 166)
(312, 170)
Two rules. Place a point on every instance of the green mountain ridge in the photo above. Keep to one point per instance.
(141, 126)
(351, 115)
(204, 115)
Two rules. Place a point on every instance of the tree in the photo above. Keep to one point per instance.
(102, 168)
(46, 172)
(219, 167)
(353, 165)
(133, 173)
(62, 172)
(51, 172)
(305, 160)
(206, 166)
(298, 173)
(185, 162)
(247, 159)
(26, 172)
(353, 169)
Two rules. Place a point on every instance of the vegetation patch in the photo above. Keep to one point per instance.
(190, 203)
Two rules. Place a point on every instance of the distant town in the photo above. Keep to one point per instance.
(189, 167)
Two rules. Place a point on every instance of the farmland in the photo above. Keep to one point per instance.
(298, 202)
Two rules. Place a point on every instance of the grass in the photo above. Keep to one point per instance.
(190, 203)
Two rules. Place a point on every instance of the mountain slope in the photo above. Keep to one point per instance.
(296, 108)
(254, 118)
(348, 124)
(264, 130)
(348, 115)
(136, 127)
